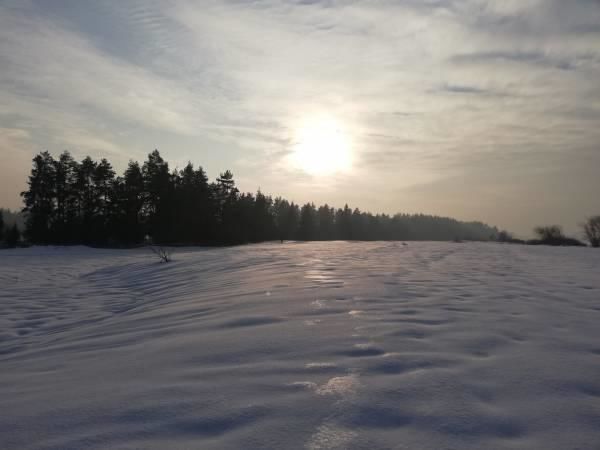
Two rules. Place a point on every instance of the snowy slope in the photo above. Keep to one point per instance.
(314, 345)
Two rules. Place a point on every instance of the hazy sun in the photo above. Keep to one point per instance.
(322, 146)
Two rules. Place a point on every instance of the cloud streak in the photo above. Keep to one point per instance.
(428, 90)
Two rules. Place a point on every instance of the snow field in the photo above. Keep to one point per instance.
(301, 345)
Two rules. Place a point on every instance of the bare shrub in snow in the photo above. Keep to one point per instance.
(549, 233)
(553, 235)
(164, 254)
(591, 228)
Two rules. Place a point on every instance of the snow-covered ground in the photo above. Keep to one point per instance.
(315, 345)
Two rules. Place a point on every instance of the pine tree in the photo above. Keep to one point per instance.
(193, 205)
(225, 195)
(343, 221)
(280, 208)
(131, 200)
(157, 187)
(86, 199)
(204, 208)
(103, 178)
(263, 219)
(308, 227)
(325, 218)
(358, 225)
(66, 169)
(286, 218)
(225, 187)
(292, 221)
(1, 226)
(39, 199)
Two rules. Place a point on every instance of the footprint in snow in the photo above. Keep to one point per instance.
(341, 386)
(366, 349)
(318, 304)
(312, 322)
(330, 436)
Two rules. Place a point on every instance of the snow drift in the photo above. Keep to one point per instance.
(313, 345)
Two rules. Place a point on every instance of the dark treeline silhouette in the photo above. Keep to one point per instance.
(553, 235)
(10, 236)
(71, 202)
(11, 218)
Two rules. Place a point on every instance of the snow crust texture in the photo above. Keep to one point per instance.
(301, 346)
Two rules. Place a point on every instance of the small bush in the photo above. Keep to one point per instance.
(163, 254)
(592, 231)
(549, 233)
(553, 235)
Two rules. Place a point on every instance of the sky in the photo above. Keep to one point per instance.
(478, 109)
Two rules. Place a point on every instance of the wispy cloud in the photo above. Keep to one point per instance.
(427, 89)
(532, 57)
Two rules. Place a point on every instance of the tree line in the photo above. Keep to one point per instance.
(10, 235)
(555, 236)
(85, 202)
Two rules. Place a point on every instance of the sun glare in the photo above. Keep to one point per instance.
(322, 146)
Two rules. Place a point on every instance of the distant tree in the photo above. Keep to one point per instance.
(158, 189)
(549, 233)
(12, 217)
(358, 225)
(591, 229)
(104, 176)
(227, 210)
(286, 218)
(156, 179)
(326, 221)
(39, 199)
(506, 237)
(130, 200)
(240, 222)
(193, 206)
(104, 201)
(86, 199)
(204, 208)
(263, 220)
(65, 222)
(1, 226)
(280, 207)
(308, 226)
(343, 221)
(13, 236)
(224, 189)
(187, 214)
